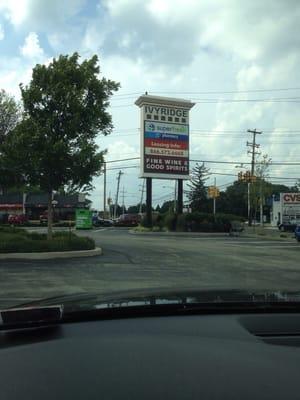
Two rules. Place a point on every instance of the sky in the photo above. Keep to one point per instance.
(238, 61)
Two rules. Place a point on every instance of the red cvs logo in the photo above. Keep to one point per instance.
(291, 197)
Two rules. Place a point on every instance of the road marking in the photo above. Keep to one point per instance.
(99, 230)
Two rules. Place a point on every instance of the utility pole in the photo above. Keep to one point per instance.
(117, 194)
(123, 202)
(104, 191)
(253, 146)
(142, 196)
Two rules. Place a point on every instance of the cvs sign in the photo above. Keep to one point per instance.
(291, 198)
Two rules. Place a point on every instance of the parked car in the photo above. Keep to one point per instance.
(297, 233)
(44, 218)
(288, 226)
(17, 219)
(128, 220)
(97, 221)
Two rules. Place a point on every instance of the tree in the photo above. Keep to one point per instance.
(197, 194)
(260, 189)
(167, 206)
(65, 107)
(9, 117)
(234, 199)
(136, 209)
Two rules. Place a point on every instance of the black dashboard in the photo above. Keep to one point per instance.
(177, 357)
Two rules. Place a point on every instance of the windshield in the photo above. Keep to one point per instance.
(149, 146)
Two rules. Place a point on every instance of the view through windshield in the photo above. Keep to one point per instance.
(149, 147)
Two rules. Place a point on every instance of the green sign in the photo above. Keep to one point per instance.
(83, 219)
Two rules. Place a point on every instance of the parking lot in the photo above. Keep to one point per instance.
(134, 261)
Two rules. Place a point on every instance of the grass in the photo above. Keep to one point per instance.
(17, 240)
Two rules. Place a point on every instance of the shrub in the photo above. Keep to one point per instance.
(181, 224)
(34, 242)
(170, 220)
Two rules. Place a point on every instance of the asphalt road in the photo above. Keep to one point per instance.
(140, 261)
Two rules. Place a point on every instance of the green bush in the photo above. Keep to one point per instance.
(35, 242)
(170, 220)
(181, 224)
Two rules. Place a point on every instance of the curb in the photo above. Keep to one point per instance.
(181, 234)
(51, 255)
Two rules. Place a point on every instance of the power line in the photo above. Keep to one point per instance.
(206, 92)
(230, 92)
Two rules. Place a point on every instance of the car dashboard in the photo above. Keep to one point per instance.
(240, 356)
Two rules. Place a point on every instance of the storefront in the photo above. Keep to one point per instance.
(286, 209)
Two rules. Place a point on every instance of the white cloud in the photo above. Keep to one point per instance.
(1, 33)
(14, 10)
(178, 46)
(31, 48)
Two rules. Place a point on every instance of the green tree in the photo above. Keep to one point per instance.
(197, 193)
(167, 206)
(136, 209)
(260, 189)
(65, 107)
(10, 113)
(234, 199)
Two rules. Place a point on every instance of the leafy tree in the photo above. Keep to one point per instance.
(197, 194)
(136, 209)
(260, 189)
(65, 107)
(9, 117)
(234, 199)
(167, 206)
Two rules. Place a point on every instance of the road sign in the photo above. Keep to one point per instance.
(83, 219)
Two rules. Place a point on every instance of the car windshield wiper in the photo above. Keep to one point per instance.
(28, 317)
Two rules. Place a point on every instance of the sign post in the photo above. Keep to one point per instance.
(164, 141)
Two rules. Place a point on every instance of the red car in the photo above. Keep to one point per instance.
(44, 218)
(128, 220)
(17, 219)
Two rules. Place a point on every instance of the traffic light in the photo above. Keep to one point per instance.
(240, 176)
(213, 192)
(247, 176)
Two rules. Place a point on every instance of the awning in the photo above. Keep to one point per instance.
(11, 206)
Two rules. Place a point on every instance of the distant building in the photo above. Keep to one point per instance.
(285, 209)
(33, 204)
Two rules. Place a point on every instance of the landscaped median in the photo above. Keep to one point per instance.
(16, 241)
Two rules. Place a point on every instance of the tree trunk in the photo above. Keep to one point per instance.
(50, 215)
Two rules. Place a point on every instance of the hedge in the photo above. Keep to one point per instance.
(195, 222)
(14, 240)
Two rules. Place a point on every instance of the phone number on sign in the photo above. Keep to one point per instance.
(166, 152)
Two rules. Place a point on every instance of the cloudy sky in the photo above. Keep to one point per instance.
(239, 61)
